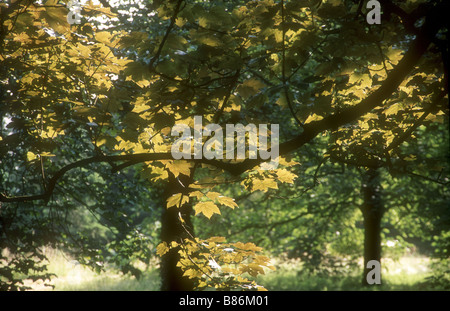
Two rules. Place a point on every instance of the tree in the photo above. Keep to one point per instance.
(258, 62)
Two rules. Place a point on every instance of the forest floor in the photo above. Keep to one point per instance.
(406, 273)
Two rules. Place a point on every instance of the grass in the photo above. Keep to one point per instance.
(71, 276)
(404, 274)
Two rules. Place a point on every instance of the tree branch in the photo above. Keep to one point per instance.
(283, 65)
(389, 86)
(310, 130)
(166, 35)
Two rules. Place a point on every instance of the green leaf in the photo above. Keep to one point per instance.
(250, 87)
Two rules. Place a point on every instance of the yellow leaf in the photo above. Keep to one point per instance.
(213, 195)
(177, 200)
(393, 109)
(179, 167)
(264, 184)
(362, 79)
(227, 201)
(217, 239)
(103, 37)
(197, 194)
(207, 208)
(46, 154)
(394, 55)
(286, 176)
(162, 249)
(248, 246)
(313, 117)
(31, 156)
(370, 116)
(192, 273)
(284, 162)
(180, 22)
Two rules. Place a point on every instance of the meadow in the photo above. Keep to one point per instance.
(406, 273)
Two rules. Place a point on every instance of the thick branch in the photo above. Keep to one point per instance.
(137, 158)
(389, 86)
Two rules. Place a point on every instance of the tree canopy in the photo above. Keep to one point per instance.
(88, 111)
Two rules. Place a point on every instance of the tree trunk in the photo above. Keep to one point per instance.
(173, 230)
(372, 210)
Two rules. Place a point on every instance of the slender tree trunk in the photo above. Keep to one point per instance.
(372, 210)
(173, 230)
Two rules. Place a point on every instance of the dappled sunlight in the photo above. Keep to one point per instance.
(135, 134)
(72, 276)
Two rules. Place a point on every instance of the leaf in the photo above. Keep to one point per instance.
(179, 167)
(213, 195)
(162, 249)
(264, 184)
(217, 239)
(411, 157)
(197, 194)
(370, 116)
(394, 55)
(250, 87)
(209, 40)
(177, 200)
(313, 117)
(227, 201)
(97, 9)
(393, 109)
(206, 208)
(252, 269)
(193, 273)
(56, 17)
(175, 42)
(247, 246)
(46, 154)
(138, 73)
(31, 156)
(281, 101)
(103, 37)
(285, 162)
(286, 176)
